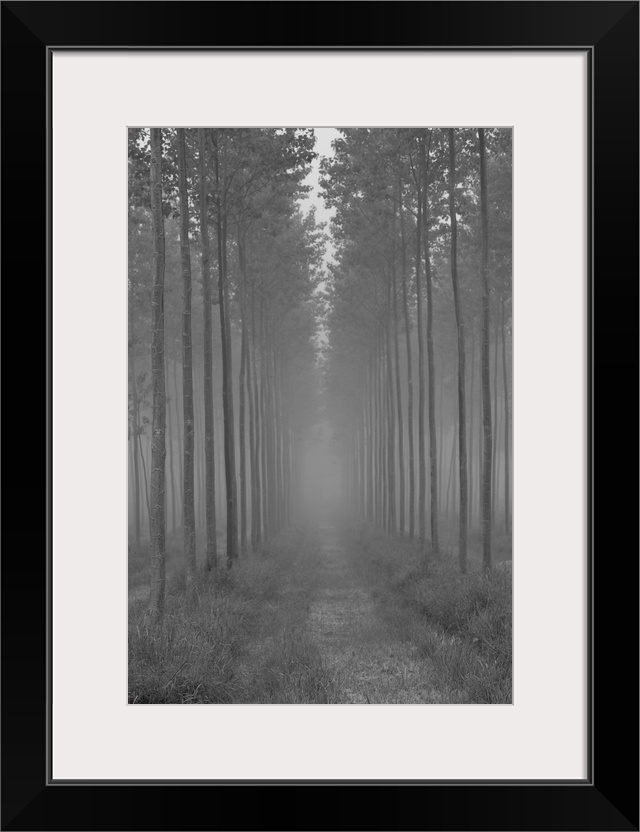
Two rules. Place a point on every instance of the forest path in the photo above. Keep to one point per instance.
(370, 659)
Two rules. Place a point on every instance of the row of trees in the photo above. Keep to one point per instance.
(423, 229)
(234, 195)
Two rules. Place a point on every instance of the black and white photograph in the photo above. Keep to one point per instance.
(320, 459)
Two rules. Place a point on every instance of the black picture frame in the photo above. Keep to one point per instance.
(608, 798)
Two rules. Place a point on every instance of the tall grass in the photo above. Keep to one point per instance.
(192, 657)
(240, 639)
(462, 624)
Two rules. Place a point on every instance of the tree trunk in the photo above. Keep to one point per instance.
(209, 446)
(462, 428)
(471, 424)
(486, 381)
(494, 495)
(227, 383)
(370, 445)
(264, 441)
(422, 475)
(256, 513)
(158, 451)
(454, 442)
(396, 350)
(134, 426)
(180, 448)
(433, 441)
(172, 481)
(507, 471)
(241, 404)
(391, 436)
(188, 488)
(407, 329)
(441, 437)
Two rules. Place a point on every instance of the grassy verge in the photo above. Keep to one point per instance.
(462, 624)
(241, 640)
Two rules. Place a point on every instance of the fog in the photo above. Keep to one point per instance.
(322, 474)
(320, 415)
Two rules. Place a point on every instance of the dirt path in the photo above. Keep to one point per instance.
(371, 662)
(314, 625)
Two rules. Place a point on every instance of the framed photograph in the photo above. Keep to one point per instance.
(281, 231)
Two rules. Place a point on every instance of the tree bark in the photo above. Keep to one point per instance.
(494, 465)
(471, 424)
(209, 446)
(227, 384)
(407, 329)
(396, 349)
(256, 514)
(241, 400)
(462, 428)
(507, 471)
(188, 488)
(180, 448)
(391, 429)
(172, 482)
(486, 381)
(134, 425)
(158, 450)
(422, 476)
(433, 442)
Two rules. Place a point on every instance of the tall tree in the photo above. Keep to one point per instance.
(189, 518)
(431, 368)
(506, 394)
(422, 477)
(486, 382)
(462, 422)
(407, 329)
(227, 377)
(134, 429)
(158, 553)
(209, 446)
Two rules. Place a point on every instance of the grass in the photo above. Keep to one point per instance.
(140, 557)
(240, 640)
(357, 617)
(461, 624)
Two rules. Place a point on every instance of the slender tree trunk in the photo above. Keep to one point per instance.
(241, 405)
(507, 463)
(462, 431)
(188, 488)
(433, 446)
(180, 448)
(146, 482)
(172, 481)
(441, 437)
(382, 392)
(452, 464)
(407, 329)
(422, 476)
(396, 349)
(256, 520)
(158, 451)
(198, 454)
(209, 439)
(391, 440)
(263, 422)
(370, 447)
(494, 493)
(486, 381)
(135, 431)
(227, 384)
(471, 434)
(252, 431)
